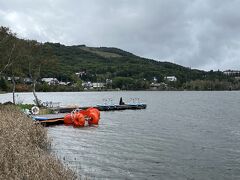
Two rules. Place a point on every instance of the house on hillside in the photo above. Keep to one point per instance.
(108, 81)
(155, 79)
(98, 85)
(237, 78)
(64, 83)
(50, 81)
(158, 86)
(170, 78)
(27, 80)
(16, 78)
(80, 74)
(232, 72)
(87, 85)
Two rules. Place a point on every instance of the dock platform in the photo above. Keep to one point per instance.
(105, 108)
(55, 119)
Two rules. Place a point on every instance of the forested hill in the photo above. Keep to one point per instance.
(121, 69)
(107, 63)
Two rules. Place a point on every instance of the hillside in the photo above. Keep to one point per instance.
(27, 58)
(102, 63)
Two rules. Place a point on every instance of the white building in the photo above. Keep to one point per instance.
(108, 81)
(27, 80)
(64, 83)
(50, 81)
(16, 78)
(158, 86)
(232, 72)
(98, 85)
(171, 78)
(80, 74)
(87, 85)
(155, 79)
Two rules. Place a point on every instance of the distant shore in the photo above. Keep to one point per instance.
(25, 149)
(112, 90)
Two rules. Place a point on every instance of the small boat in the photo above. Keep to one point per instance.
(49, 119)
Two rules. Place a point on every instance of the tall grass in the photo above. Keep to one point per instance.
(24, 149)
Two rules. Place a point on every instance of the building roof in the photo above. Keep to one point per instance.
(49, 79)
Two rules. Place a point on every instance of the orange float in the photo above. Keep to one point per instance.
(93, 115)
(93, 119)
(95, 111)
(79, 120)
(90, 110)
(78, 117)
(84, 112)
(68, 119)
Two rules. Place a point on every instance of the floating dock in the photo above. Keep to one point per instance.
(55, 119)
(104, 108)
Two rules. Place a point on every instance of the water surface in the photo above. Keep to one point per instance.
(181, 135)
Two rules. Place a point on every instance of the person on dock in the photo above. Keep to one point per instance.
(121, 102)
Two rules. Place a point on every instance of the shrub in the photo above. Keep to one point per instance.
(24, 149)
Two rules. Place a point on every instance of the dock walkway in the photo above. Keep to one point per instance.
(104, 108)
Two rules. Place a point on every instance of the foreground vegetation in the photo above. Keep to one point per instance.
(24, 149)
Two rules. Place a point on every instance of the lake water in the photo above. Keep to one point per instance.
(181, 135)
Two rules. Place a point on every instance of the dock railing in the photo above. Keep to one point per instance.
(51, 104)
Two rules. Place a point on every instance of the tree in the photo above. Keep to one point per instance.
(123, 83)
(34, 62)
(77, 81)
(7, 48)
(9, 54)
(16, 68)
(38, 57)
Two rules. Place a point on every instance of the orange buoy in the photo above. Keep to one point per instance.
(93, 115)
(94, 118)
(95, 110)
(84, 112)
(79, 120)
(68, 119)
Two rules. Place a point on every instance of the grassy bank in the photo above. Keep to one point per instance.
(24, 149)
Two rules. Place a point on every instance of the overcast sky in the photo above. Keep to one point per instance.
(203, 34)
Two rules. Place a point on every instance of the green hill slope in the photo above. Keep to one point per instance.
(102, 63)
(97, 64)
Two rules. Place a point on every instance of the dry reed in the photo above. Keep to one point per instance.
(24, 149)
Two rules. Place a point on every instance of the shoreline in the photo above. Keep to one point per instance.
(25, 149)
(147, 90)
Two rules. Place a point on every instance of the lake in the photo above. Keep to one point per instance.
(181, 135)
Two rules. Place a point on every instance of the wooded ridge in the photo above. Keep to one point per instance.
(79, 64)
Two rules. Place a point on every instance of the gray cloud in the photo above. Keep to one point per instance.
(195, 33)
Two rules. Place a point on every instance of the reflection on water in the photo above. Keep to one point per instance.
(181, 135)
